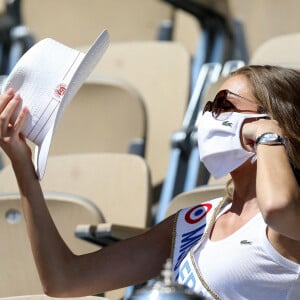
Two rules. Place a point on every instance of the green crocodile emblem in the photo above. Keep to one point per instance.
(227, 123)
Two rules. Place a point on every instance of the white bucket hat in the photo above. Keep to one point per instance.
(47, 77)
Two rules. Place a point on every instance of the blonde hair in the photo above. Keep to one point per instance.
(229, 189)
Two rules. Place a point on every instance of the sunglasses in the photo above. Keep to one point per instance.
(221, 104)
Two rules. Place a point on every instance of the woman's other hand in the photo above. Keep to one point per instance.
(252, 129)
(12, 140)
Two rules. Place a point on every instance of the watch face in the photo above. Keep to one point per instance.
(270, 136)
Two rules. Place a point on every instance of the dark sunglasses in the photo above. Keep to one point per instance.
(221, 104)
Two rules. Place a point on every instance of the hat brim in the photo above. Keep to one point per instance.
(84, 69)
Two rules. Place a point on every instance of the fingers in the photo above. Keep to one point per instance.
(265, 125)
(11, 140)
(9, 109)
(21, 119)
(5, 98)
(9, 102)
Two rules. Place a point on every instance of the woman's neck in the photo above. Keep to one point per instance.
(244, 197)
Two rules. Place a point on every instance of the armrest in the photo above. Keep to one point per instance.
(105, 234)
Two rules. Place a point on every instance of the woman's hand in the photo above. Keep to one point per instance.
(252, 129)
(11, 139)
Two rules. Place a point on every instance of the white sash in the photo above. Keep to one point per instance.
(190, 226)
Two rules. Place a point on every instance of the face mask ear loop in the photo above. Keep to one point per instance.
(253, 159)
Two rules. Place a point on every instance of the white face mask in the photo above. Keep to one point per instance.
(219, 142)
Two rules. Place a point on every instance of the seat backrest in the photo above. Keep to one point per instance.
(265, 19)
(187, 30)
(18, 272)
(78, 22)
(195, 196)
(106, 115)
(119, 184)
(161, 73)
(281, 50)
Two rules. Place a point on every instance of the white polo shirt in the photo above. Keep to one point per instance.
(242, 266)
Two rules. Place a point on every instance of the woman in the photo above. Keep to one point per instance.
(257, 107)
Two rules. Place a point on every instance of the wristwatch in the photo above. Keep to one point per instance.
(270, 138)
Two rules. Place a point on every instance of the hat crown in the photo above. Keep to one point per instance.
(41, 77)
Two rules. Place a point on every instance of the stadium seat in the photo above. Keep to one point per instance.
(18, 272)
(106, 115)
(78, 22)
(119, 184)
(195, 196)
(281, 50)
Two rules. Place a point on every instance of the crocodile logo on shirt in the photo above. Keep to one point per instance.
(245, 242)
(227, 123)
